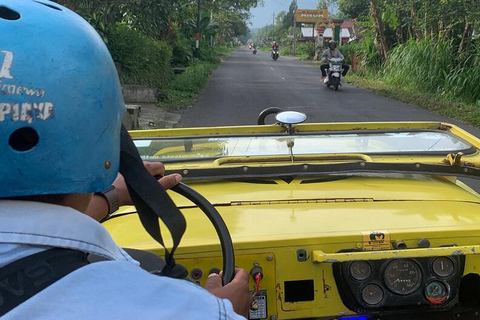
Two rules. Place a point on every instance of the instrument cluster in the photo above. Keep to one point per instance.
(369, 285)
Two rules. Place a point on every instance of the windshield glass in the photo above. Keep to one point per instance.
(365, 143)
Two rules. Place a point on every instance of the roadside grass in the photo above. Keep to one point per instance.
(468, 113)
(185, 87)
(177, 98)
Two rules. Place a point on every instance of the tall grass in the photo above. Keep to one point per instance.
(435, 67)
(422, 65)
(463, 81)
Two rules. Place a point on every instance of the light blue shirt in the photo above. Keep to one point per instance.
(116, 289)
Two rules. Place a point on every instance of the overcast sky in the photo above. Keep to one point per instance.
(262, 16)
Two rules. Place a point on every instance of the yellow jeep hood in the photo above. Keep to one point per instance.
(314, 211)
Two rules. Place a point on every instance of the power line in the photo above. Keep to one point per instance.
(284, 4)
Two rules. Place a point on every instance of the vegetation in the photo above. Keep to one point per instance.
(429, 47)
(425, 52)
(186, 86)
(148, 38)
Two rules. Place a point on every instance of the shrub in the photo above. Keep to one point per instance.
(194, 78)
(306, 50)
(286, 50)
(139, 59)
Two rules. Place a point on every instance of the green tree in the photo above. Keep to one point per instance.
(354, 9)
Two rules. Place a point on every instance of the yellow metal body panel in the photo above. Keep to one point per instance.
(313, 217)
(297, 229)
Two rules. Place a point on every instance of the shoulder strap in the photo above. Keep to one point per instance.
(152, 202)
(24, 278)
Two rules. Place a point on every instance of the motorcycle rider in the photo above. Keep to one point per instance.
(60, 143)
(332, 52)
(274, 47)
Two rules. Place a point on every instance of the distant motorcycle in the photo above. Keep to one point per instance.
(254, 50)
(275, 54)
(334, 73)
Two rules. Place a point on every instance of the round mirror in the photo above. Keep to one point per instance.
(291, 117)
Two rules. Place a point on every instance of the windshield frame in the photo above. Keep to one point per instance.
(362, 133)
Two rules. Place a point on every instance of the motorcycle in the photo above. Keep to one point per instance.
(275, 54)
(334, 73)
(254, 50)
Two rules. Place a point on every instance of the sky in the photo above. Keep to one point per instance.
(263, 15)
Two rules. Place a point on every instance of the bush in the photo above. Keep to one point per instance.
(286, 51)
(306, 50)
(181, 53)
(194, 78)
(139, 59)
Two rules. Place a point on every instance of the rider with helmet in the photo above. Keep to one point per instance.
(61, 110)
(274, 47)
(332, 52)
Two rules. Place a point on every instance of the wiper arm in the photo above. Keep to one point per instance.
(344, 157)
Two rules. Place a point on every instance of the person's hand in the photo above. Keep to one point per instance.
(236, 291)
(155, 169)
(98, 207)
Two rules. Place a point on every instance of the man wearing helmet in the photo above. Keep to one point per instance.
(274, 47)
(61, 110)
(332, 52)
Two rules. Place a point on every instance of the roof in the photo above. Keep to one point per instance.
(328, 33)
(348, 24)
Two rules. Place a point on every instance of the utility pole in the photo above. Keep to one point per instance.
(197, 36)
(273, 27)
(295, 29)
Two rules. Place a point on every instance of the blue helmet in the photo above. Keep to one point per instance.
(61, 104)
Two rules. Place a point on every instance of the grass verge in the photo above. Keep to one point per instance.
(185, 87)
(468, 113)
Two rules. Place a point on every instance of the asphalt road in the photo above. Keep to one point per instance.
(245, 84)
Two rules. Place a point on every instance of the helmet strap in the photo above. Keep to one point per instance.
(152, 202)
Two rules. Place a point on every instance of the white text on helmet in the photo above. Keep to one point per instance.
(26, 111)
(6, 65)
(13, 89)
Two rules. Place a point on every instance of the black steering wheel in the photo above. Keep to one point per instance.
(267, 112)
(220, 226)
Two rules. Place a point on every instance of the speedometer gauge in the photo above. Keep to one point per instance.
(402, 276)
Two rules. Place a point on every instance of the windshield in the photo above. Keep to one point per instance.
(428, 142)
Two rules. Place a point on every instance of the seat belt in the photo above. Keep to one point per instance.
(24, 278)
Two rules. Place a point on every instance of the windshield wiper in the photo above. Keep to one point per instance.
(350, 157)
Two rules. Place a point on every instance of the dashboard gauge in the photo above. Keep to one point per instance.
(436, 292)
(360, 270)
(443, 267)
(402, 276)
(372, 294)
